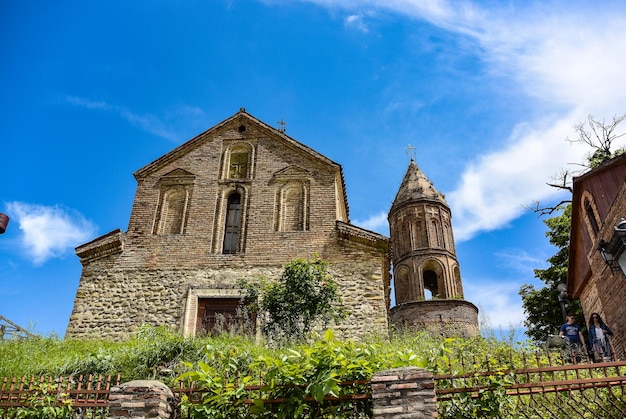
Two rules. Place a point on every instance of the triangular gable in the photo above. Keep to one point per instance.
(243, 117)
(238, 118)
(292, 172)
(177, 176)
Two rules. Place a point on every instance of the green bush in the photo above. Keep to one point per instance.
(303, 297)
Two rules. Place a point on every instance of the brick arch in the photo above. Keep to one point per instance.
(590, 211)
(173, 211)
(402, 286)
(175, 190)
(292, 207)
(432, 277)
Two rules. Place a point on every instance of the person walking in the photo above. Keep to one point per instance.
(599, 334)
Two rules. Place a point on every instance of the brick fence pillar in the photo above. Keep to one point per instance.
(140, 399)
(404, 393)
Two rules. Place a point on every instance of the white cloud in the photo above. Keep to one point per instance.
(377, 223)
(495, 188)
(49, 232)
(498, 301)
(356, 21)
(157, 125)
(570, 57)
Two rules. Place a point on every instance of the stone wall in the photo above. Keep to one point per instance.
(446, 317)
(400, 393)
(149, 275)
(141, 399)
(113, 303)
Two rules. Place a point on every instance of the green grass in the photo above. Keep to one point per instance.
(158, 353)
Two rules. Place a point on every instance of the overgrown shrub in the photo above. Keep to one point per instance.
(303, 297)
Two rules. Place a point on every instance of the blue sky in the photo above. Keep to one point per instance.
(487, 91)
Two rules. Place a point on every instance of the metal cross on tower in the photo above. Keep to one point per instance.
(410, 152)
(282, 126)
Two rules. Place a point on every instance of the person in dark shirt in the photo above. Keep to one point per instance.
(572, 332)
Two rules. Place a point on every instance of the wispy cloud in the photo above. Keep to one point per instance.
(163, 126)
(357, 22)
(499, 301)
(518, 260)
(49, 232)
(569, 58)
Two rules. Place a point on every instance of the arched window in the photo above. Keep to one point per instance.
(430, 282)
(238, 166)
(231, 229)
(237, 162)
(590, 215)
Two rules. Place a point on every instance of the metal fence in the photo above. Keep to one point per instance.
(538, 386)
(88, 396)
(555, 384)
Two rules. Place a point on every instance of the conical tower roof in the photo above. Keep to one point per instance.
(416, 187)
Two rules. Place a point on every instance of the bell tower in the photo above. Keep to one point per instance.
(426, 275)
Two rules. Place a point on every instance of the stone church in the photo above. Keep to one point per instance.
(240, 201)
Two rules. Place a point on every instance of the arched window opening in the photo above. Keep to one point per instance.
(430, 283)
(591, 216)
(231, 230)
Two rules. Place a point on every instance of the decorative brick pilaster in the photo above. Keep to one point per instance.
(140, 399)
(404, 393)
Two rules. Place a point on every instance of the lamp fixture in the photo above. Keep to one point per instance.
(612, 252)
(608, 258)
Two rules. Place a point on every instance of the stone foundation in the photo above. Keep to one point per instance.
(446, 317)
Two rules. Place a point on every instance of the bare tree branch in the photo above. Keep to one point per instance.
(546, 210)
(600, 137)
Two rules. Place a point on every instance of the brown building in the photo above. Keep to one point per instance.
(597, 246)
(238, 201)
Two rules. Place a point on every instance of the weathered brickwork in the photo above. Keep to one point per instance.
(242, 200)
(448, 317)
(404, 393)
(175, 249)
(598, 205)
(141, 399)
(424, 262)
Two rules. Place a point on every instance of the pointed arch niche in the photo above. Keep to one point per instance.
(175, 190)
(401, 284)
(292, 199)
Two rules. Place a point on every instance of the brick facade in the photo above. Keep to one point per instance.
(598, 205)
(286, 200)
(240, 201)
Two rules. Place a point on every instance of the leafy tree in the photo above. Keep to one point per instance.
(305, 296)
(542, 307)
